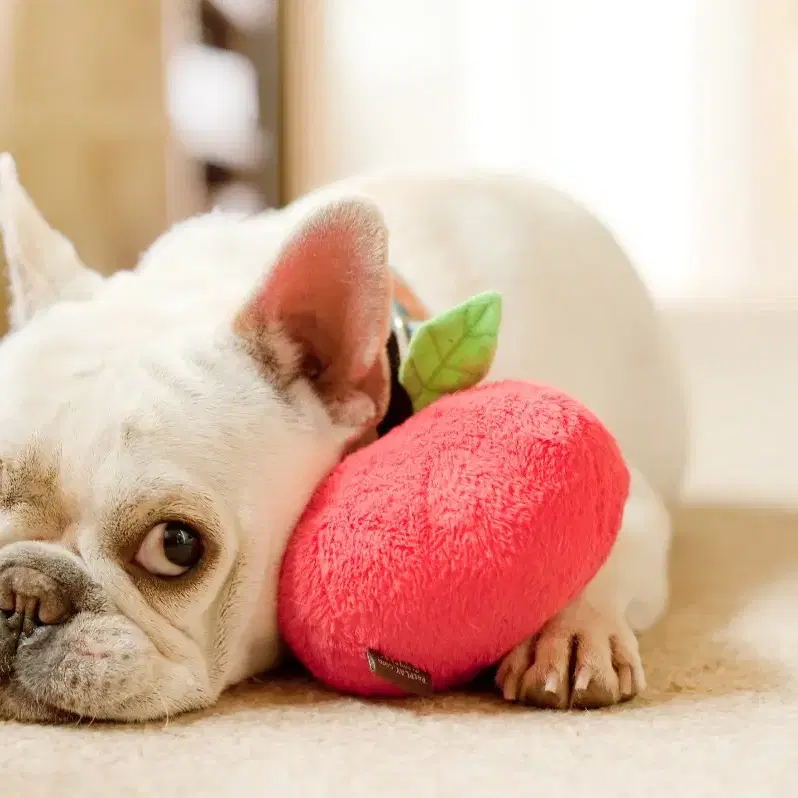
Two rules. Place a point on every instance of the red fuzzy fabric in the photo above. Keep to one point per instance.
(452, 538)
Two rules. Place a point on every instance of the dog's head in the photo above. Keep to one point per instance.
(160, 435)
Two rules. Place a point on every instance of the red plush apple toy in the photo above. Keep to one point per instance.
(428, 555)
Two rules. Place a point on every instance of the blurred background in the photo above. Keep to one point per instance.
(677, 122)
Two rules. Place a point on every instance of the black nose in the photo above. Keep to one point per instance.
(29, 598)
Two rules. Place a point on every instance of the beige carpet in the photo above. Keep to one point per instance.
(720, 717)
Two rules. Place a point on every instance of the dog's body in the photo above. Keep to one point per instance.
(162, 430)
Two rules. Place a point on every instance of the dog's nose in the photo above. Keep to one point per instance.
(29, 598)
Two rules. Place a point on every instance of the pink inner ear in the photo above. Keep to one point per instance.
(330, 291)
(330, 287)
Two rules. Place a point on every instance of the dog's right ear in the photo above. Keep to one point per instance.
(43, 266)
(323, 312)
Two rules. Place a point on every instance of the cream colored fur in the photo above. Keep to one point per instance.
(139, 398)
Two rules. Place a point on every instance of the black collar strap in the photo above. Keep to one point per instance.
(400, 408)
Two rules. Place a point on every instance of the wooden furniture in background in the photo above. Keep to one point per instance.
(82, 110)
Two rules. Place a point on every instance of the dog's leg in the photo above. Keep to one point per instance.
(587, 656)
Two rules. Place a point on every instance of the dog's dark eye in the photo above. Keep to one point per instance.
(170, 549)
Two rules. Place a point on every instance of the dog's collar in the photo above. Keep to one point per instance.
(400, 408)
(403, 327)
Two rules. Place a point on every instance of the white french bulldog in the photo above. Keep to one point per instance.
(161, 430)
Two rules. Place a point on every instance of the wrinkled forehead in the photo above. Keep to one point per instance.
(102, 404)
(54, 366)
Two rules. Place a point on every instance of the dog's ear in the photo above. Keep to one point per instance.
(323, 312)
(43, 266)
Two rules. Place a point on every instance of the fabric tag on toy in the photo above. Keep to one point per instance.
(452, 351)
(402, 674)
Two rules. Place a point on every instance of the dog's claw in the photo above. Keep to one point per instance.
(625, 681)
(552, 683)
(582, 680)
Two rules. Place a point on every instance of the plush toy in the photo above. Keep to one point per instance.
(429, 554)
(451, 351)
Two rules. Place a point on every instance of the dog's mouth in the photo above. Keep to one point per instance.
(18, 703)
(89, 667)
(25, 696)
(88, 661)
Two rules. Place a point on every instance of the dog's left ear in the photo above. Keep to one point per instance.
(43, 266)
(323, 312)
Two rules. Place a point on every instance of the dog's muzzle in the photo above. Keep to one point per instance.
(30, 599)
(41, 589)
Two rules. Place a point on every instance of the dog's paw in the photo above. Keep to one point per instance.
(582, 659)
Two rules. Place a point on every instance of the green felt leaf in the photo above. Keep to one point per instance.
(452, 351)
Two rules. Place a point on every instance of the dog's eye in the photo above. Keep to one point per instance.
(170, 549)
